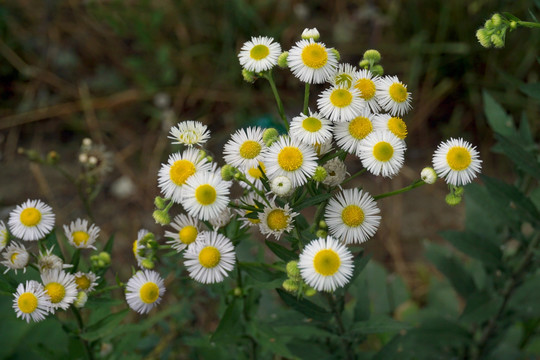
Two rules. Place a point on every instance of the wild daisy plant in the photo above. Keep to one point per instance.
(493, 33)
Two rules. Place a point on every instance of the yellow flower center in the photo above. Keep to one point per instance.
(56, 291)
(249, 149)
(341, 98)
(326, 262)
(181, 170)
(366, 88)
(82, 282)
(209, 257)
(458, 158)
(314, 56)
(360, 127)
(398, 92)
(352, 216)
(13, 257)
(30, 217)
(290, 158)
(80, 237)
(397, 126)
(383, 151)
(277, 220)
(255, 172)
(205, 194)
(188, 234)
(27, 302)
(344, 79)
(149, 293)
(259, 52)
(311, 124)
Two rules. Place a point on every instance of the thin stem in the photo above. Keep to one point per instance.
(341, 328)
(415, 184)
(281, 110)
(528, 24)
(80, 323)
(259, 192)
(108, 288)
(352, 177)
(306, 99)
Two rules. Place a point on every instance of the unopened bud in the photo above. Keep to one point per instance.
(290, 285)
(147, 263)
(237, 292)
(320, 174)
(161, 217)
(282, 60)
(323, 225)
(310, 291)
(428, 175)
(228, 172)
(311, 34)
(159, 202)
(248, 76)
(81, 299)
(292, 270)
(497, 41)
(373, 56)
(496, 19)
(364, 64)
(52, 158)
(105, 257)
(321, 233)
(377, 70)
(338, 56)
(483, 38)
(452, 199)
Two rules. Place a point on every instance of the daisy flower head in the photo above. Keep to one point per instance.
(344, 76)
(312, 129)
(275, 220)
(382, 153)
(367, 84)
(187, 228)
(393, 97)
(61, 288)
(80, 235)
(48, 261)
(326, 264)
(32, 220)
(259, 54)
(336, 170)
(210, 258)
(282, 186)
(292, 158)
(255, 175)
(139, 246)
(31, 302)
(189, 133)
(86, 282)
(179, 168)
(15, 257)
(205, 195)
(144, 291)
(245, 147)
(457, 161)
(352, 216)
(350, 134)
(312, 62)
(339, 103)
(4, 236)
(394, 124)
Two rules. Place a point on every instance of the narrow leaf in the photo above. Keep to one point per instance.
(104, 326)
(306, 307)
(109, 245)
(282, 252)
(258, 272)
(532, 90)
(522, 158)
(229, 322)
(379, 325)
(475, 246)
(497, 117)
(314, 200)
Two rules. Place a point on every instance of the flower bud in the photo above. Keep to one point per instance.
(282, 60)
(290, 285)
(373, 56)
(483, 38)
(452, 199)
(498, 41)
(323, 225)
(310, 291)
(321, 233)
(81, 299)
(513, 25)
(248, 76)
(496, 20)
(147, 263)
(311, 34)
(320, 174)
(105, 257)
(228, 172)
(488, 24)
(52, 158)
(281, 186)
(428, 175)
(459, 190)
(377, 70)
(364, 64)
(270, 135)
(161, 217)
(338, 56)
(292, 270)
(237, 292)
(159, 202)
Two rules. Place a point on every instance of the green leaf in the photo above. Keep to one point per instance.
(360, 263)
(104, 326)
(498, 119)
(522, 158)
(304, 306)
(480, 307)
(314, 200)
(510, 16)
(109, 245)
(525, 132)
(282, 252)
(379, 325)
(258, 272)
(475, 246)
(230, 322)
(532, 90)
(525, 298)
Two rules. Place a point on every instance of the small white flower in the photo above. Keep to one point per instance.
(80, 235)
(340, 103)
(275, 220)
(189, 133)
(394, 124)
(428, 175)
(48, 261)
(312, 129)
(393, 97)
(61, 288)
(312, 62)
(187, 228)
(16, 257)
(144, 291)
(205, 195)
(255, 176)
(350, 134)
(382, 153)
(457, 161)
(32, 220)
(367, 84)
(259, 54)
(31, 302)
(344, 76)
(336, 172)
(244, 149)
(282, 186)
(86, 282)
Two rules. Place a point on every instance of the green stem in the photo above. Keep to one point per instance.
(254, 188)
(281, 110)
(108, 288)
(80, 323)
(528, 24)
(352, 177)
(306, 99)
(341, 328)
(415, 184)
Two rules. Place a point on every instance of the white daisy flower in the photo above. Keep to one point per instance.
(259, 54)
(222, 219)
(31, 302)
(179, 168)
(282, 186)
(326, 264)
(350, 134)
(367, 84)
(205, 195)
(210, 258)
(323, 148)
(189, 133)
(48, 261)
(275, 220)
(344, 76)
(80, 235)
(292, 158)
(32, 220)
(336, 170)
(250, 199)
(61, 288)
(312, 62)
(86, 282)
(4, 236)
(245, 147)
(393, 97)
(457, 161)
(255, 176)
(312, 129)
(139, 249)
(187, 229)
(16, 257)
(394, 124)
(144, 291)
(382, 153)
(339, 103)
(352, 216)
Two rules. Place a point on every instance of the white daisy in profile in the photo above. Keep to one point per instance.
(80, 235)
(326, 264)
(382, 153)
(49, 261)
(15, 257)
(4, 236)
(292, 158)
(32, 220)
(275, 220)
(31, 302)
(189, 133)
(350, 134)
(336, 170)
(138, 247)
(187, 229)
(259, 54)
(339, 103)
(394, 124)
(312, 129)
(312, 62)
(344, 76)
(255, 175)
(210, 258)
(61, 288)
(86, 282)
(393, 97)
(457, 161)
(179, 168)
(352, 216)
(367, 84)
(245, 147)
(205, 195)
(144, 291)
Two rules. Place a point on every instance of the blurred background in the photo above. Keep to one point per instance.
(123, 72)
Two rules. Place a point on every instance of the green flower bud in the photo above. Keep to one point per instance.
(309, 291)
(292, 270)
(209, 158)
(483, 38)
(320, 174)
(338, 56)
(161, 217)
(373, 56)
(323, 225)
(513, 25)
(452, 199)
(159, 202)
(202, 154)
(101, 264)
(321, 233)
(147, 238)
(364, 64)
(488, 24)
(377, 70)
(498, 41)
(228, 172)
(459, 190)
(270, 135)
(147, 263)
(81, 299)
(238, 176)
(496, 19)
(282, 60)
(249, 76)
(290, 285)
(237, 292)
(105, 257)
